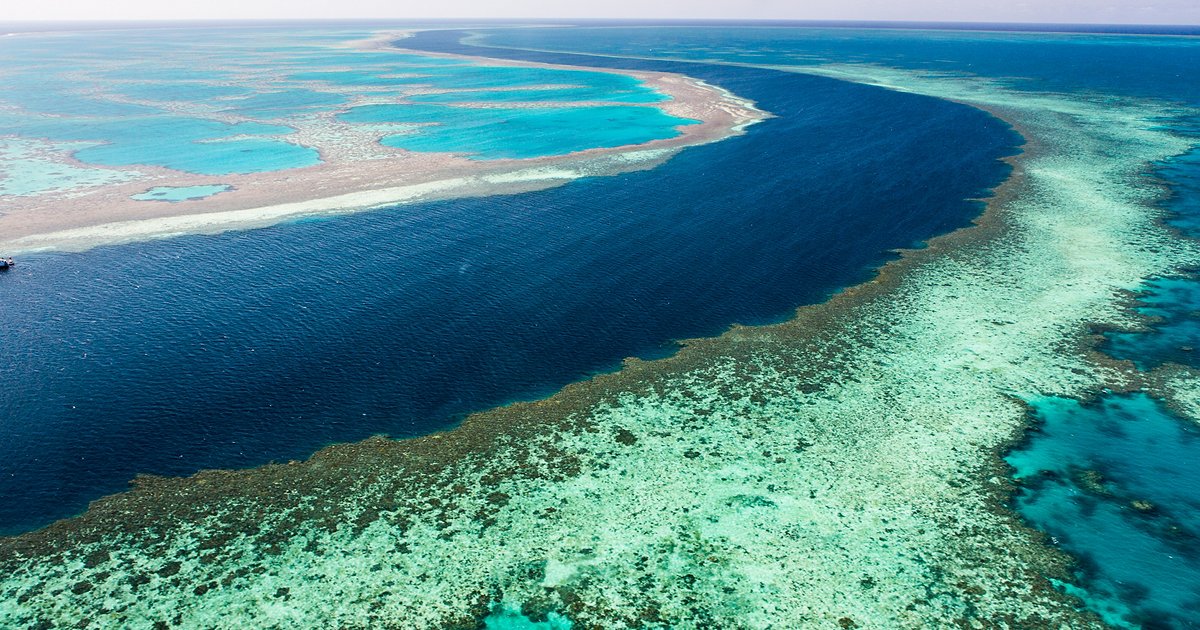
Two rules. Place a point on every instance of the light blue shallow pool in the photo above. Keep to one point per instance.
(181, 193)
(491, 133)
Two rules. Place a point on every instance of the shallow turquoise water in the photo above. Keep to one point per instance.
(39, 174)
(164, 76)
(194, 145)
(357, 78)
(162, 98)
(180, 193)
(577, 85)
(215, 157)
(1116, 484)
(493, 133)
(1175, 333)
(49, 96)
(1173, 303)
(284, 103)
(505, 618)
(548, 95)
(190, 92)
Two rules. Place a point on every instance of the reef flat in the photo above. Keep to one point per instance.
(839, 470)
(308, 126)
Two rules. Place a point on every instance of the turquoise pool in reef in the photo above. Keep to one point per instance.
(493, 133)
(181, 193)
(1115, 482)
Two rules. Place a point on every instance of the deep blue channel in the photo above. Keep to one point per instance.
(235, 350)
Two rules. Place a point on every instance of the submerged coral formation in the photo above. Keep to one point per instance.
(841, 469)
(294, 124)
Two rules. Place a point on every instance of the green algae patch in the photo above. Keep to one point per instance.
(837, 470)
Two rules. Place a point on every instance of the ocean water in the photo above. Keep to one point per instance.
(1113, 482)
(1156, 67)
(233, 350)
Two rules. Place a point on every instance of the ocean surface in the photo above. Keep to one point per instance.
(1112, 481)
(235, 350)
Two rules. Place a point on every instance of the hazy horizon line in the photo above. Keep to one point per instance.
(1067, 27)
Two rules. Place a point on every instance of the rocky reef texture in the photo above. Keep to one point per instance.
(839, 470)
(62, 203)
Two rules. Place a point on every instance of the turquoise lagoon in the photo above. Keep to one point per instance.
(181, 193)
(462, 82)
(492, 133)
(28, 167)
(226, 101)
(1115, 482)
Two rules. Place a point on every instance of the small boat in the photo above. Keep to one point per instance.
(5, 263)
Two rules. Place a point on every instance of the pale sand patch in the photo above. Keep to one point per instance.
(214, 222)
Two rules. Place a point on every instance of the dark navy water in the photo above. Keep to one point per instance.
(1165, 66)
(234, 350)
